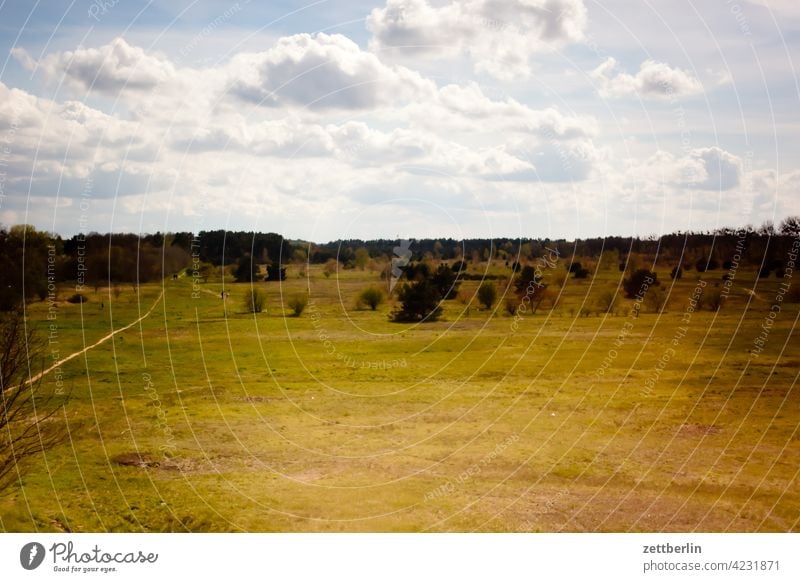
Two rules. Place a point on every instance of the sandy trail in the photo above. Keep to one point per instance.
(97, 343)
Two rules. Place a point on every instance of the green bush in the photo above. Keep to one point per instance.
(297, 303)
(371, 297)
(487, 294)
(254, 300)
(77, 298)
(420, 302)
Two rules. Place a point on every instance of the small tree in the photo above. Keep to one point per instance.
(246, 270)
(371, 297)
(639, 283)
(714, 299)
(29, 418)
(361, 258)
(581, 273)
(487, 294)
(254, 300)
(511, 305)
(77, 298)
(676, 272)
(526, 280)
(297, 303)
(331, 267)
(445, 281)
(276, 273)
(607, 300)
(420, 302)
(656, 299)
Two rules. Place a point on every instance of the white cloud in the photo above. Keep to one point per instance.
(324, 72)
(108, 69)
(325, 129)
(710, 168)
(653, 81)
(466, 108)
(499, 36)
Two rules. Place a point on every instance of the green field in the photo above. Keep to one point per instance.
(209, 418)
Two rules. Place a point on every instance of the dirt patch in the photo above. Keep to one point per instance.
(693, 430)
(252, 399)
(140, 460)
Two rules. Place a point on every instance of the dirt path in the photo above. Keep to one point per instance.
(97, 343)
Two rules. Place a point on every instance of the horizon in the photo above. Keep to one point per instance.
(750, 228)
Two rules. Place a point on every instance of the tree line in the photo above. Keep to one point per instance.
(33, 261)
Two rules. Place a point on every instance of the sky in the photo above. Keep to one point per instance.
(344, 119)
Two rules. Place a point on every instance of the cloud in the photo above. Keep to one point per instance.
(466, 108)
(710, 168)
(499, 36)
(323, 72)
(721, 170)
(108, 69)
(653, 81)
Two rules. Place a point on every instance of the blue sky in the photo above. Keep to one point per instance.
(326, 120)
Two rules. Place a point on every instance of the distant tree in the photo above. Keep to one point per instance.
(511, 305)
(676, 273)
(656, 299)
(276, 273)
(714, 298)
(700, 265)
(420, 302)
(487, 294)
(299, 255)
(581, 273)
(574, 267)
(30, 420)
(246, 270)
(727, 265)
(713, 264)
(528, 278)
(607, 300)
(791, 226)
(297, 303)
(764, 272)
(207, 272)
(639, 283)
(24, 256)
(361, 258)
(446, 282)
(417, 271)
(331, 267)
(254, 299)
(371, 297)
(459, 266)
(529, 284)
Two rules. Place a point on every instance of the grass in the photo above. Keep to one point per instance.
(339, 420)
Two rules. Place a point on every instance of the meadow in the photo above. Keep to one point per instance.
(204, 417)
